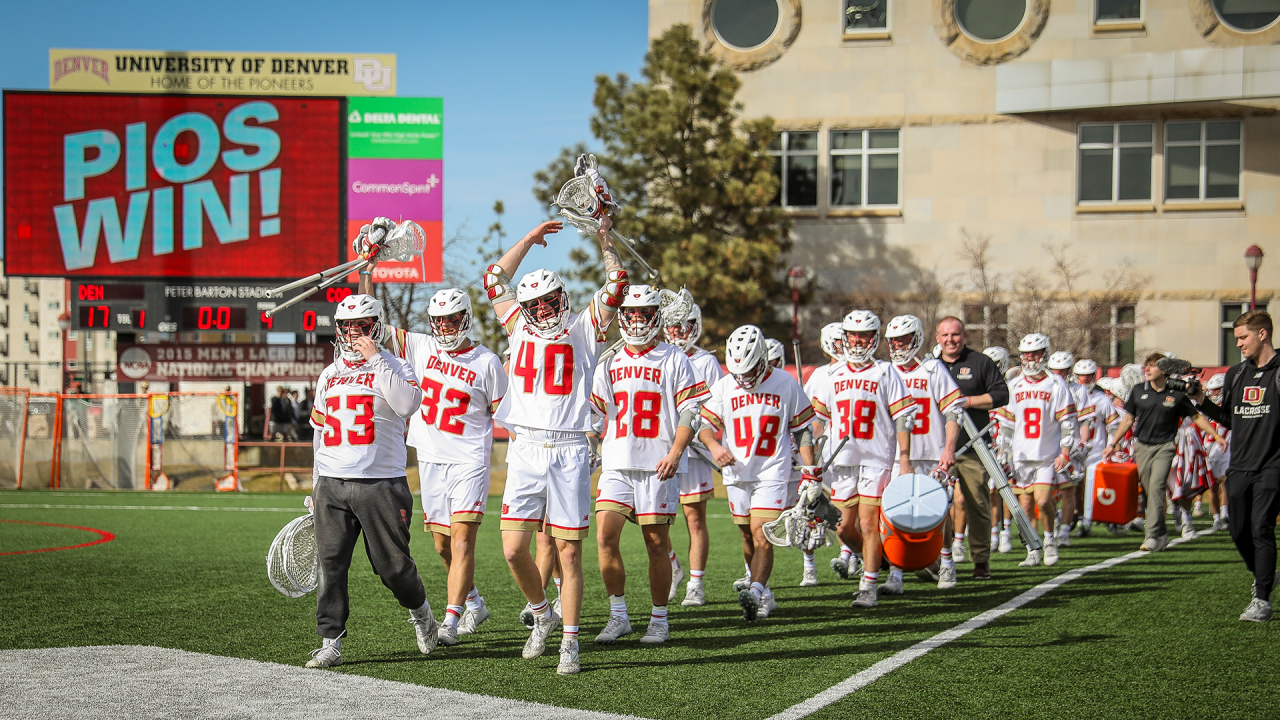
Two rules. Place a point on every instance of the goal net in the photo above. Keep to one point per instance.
(13, 430)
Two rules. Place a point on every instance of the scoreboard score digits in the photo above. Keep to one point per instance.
(197, 306)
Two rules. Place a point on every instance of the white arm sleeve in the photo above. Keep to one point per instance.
(396, 383)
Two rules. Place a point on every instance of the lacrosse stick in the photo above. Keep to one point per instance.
(585, 199)
(808, 525)
(406, 241)
(292, 565)
(1026, 532)
(795, 349)
(965, 447)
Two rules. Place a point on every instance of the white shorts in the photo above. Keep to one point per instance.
(453, 492)
(548, 483)
(924, 467)
(696, 484)
(748, 499)
(858, 484)
(639, 496)
(1027, 474)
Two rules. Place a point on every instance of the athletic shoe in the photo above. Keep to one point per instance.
(810, 577)
(1219, 524)
(1258, 611)
(1084, 529)
(1033, 559)
(982, 571)
(330, 654)
(767, 606)
(618, 626)
(1196, 511)
(1177, 522)
(742, 583)
(1137, 524)
(658, 633)
(526, 616)
(893, 585)
(1188, 531)
(930, 574)
(947, 577)
(447, 635)
(537, 642)
(1117, 530)
(1051, 553)
(957, 551)
(569, 664)
(750, 605)
(425, 627)
(1162, 542)
(1006, 542)
(1064, 538)
(471, 619)
(840, 566)
(866, 597)
(1148, 545)
(677, 574)
(694, 596)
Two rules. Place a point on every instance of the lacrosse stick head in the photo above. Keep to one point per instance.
(406, 241)
(292, 565)
(1130, 375)
(681, 318)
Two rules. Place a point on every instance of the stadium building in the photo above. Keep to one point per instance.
(1124, 137)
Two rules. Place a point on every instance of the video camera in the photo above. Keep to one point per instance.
(1181, 376)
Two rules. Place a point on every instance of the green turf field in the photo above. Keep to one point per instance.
(1153, 637)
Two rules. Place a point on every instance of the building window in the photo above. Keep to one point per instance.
(990, 20)
(26, 341)
(1247, 15)
(796, 163)
(1112, 336)
(1117, 10)
(745, 24)
(865, 15)
(1203, 160)
(1230, 354)
(864, 167)
(1115, 162)
(26, 313)
(55, 305)
(987, 325)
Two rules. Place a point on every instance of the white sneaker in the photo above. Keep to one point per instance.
(471, 619)
(840, 566)
(526, 616)
(947, 577)
(867, 596)
(329, 654)
(1188, 530)
(1033, 559)
(1064, 538)
(742, 583)
(1220, 524)
(569, 664)
(750, 605)
(1258, 611)
(957, 551)
(537, 642)
(810, 577)
(618, 626)
(694, 596)
(767, 606)
(1051, 553)
(658, 632)
(677, 574)
(447, 635)
(893, 585)
(426, 629)
(1006, 542)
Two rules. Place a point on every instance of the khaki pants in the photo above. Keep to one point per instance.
(1154, 462)
(977, 505)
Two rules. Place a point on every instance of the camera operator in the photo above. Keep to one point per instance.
(1155, 410)
(1250, 409)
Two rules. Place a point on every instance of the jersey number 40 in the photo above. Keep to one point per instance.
(556, 370)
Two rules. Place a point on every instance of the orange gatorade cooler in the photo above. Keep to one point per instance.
(911, 514)
(1115, 493)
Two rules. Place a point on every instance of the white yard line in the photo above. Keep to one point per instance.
(46, 506)
(893, 662)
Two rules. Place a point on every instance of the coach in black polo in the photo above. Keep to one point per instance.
(1155, 412)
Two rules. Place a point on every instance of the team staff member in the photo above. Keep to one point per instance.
(1250, 408)
(984, 389)
(1155, 412)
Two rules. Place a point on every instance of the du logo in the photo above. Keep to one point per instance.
(1253, 395)
(1106, 496)
(370, 73)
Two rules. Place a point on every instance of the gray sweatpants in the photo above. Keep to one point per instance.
(1154, 462)
(382, 508)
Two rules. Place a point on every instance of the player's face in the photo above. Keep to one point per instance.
(901, 343)
(683, 331)
(639, 318)
(860, 340)
(1214, 395)
(1085, 379)
(446, 325)
(1060, 372)
(1030, 358)
(356, 328)
(951, 337)
(544, 309)
(1152, 372)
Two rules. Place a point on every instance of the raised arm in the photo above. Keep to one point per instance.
(616, 275)
(497, 277)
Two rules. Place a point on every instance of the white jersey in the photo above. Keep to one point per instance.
(863, 405)
(1035, 411)
(936, 394)
(1105, 419)
(640, 396)
(460, 391)
(359, 417)
(1084, 408)
(549, 380)
(707, 369)
(757, 425)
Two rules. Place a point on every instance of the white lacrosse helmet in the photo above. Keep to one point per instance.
(684, 335)
(746, 356)
(1088, 368)
(860, 321)
(638, 320)
(1000, 356)
(1061, 360)
(777, 352)
(903, 326)
(543, 302)
(450, 316)
(1214, 385)
(1035, 342)
(833, 341)
(357, 316)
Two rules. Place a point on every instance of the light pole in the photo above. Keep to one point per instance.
(797, 279)
(64, 323)
(1253, 260)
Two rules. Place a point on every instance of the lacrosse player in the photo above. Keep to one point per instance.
(936, 427)
(548, 407)
(362, 400)
(461, 384)
(1105, 419)
(1037, 432)
(1069, 481)
(758, 409)
(849, 562)
(1218, 459)
(647, 398)
(697, 478)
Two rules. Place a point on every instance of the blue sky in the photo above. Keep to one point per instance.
(516, 77)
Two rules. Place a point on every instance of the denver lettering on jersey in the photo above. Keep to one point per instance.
(452, 370)
(749, 399)
(636, 372)
(870, 386)
(365, 379)
(1031, 395)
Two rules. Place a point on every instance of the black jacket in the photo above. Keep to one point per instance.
(1251, 410)
(977, 374)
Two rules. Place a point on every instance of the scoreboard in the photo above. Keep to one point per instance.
(175, 306)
